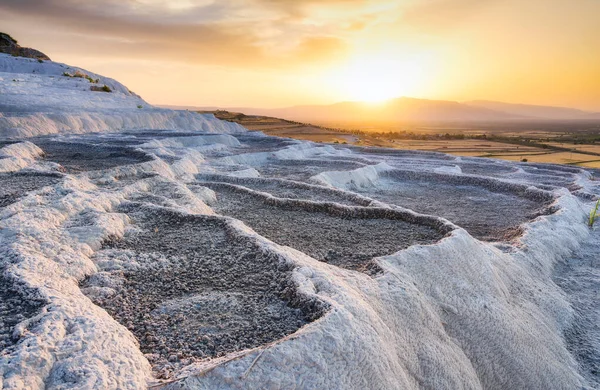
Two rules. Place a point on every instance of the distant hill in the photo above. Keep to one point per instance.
(396, 110)
(407, 109)
(535, 111)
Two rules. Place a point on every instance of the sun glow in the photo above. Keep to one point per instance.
(376, 79)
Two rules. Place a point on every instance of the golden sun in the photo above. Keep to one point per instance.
(376, 80)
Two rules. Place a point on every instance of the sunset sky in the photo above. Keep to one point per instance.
(275, 53)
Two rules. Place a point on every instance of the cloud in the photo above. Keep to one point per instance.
(226, 32)
(435, 15)
(256, 33)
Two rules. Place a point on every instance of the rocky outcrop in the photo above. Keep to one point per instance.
(9, 45)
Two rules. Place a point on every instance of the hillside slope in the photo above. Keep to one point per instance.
(43, 97)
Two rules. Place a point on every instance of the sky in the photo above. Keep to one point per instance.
(277, 53)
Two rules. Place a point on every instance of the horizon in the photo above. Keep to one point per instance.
(264, 54)
(370, 103)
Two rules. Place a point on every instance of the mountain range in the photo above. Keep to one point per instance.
(405, 109)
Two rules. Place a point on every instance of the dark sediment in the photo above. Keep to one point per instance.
(290, 189)
(15, 185)
(347, 241)
(17, 303)
(80, 157)
(304, 169)
(486, 168)
(488, 210)
(253, 144)
(387, 153)
(219, 292)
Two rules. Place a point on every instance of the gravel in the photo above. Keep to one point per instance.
(290, 189)
(15, 185)
(343, 241)
(547, 176)
(161, 134)
(131, 138)
(254, 144)
(17, 303)
(304, 169)
(486, 169)
(203, 290)
(398, 153)
(80, 157)
(486, 215)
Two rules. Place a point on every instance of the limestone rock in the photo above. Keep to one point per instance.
(10, 46)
